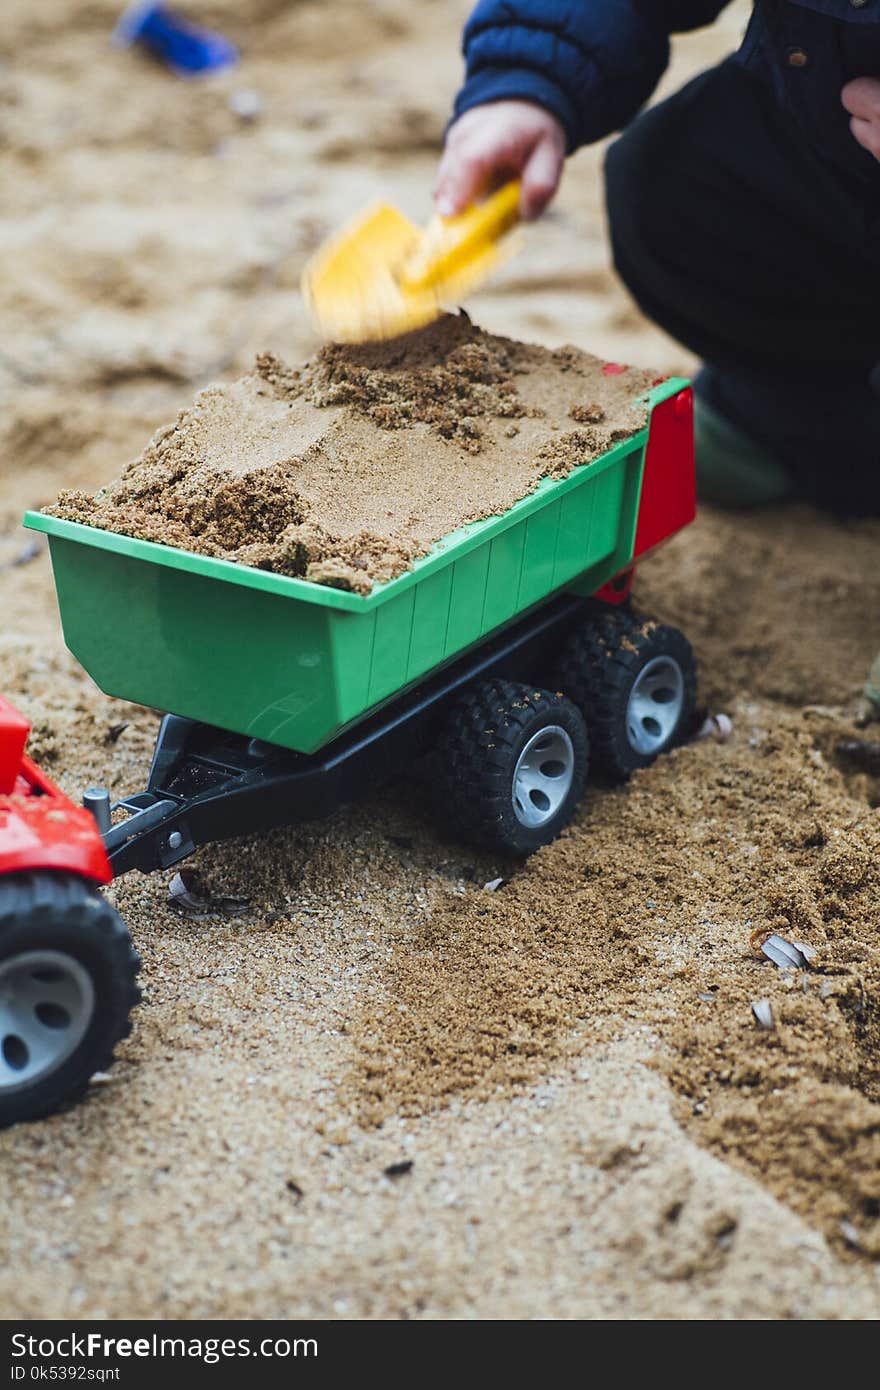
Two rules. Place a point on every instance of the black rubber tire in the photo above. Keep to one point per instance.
(488, 727)
(597, 669)
(62, 912)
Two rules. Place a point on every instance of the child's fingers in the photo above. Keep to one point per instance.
(446, 182)
(867, 133)
(862, 98)
(463, 174)
(540, 178)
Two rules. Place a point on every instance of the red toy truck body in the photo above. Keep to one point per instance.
(67, 967)
(40, 828)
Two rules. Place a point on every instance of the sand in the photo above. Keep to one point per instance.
(346, 469)
(597, 1126)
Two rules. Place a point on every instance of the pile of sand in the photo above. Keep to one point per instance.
(348, 468)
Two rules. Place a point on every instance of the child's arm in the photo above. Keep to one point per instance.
(545, 76)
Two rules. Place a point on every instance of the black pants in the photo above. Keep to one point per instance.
(737, 238)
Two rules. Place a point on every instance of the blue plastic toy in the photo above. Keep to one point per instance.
(187, 50)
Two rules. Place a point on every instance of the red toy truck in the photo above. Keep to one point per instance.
(67, 967)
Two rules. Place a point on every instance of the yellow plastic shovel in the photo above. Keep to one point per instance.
(381, 275)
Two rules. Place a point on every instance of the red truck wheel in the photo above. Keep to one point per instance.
(635, 682)
(67, 986)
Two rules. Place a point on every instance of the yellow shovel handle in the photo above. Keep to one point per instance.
(490, 219)
(453, 241)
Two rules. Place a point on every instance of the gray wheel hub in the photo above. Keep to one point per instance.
(47, 1001)
(655, 705)
(543, 776)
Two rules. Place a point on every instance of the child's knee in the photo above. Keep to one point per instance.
(648, 216)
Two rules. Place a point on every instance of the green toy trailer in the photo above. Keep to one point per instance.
(510, 653)
(509, 650)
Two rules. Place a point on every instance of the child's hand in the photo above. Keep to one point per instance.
(497, 141)
(862, 100)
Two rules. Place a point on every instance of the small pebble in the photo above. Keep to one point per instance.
(717, 726)
(246, 104)
(399, 1170)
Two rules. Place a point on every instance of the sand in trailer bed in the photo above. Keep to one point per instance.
(348, 468)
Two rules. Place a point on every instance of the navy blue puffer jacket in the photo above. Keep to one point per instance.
(593, 63)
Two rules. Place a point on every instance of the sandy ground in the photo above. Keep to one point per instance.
(596, 1126)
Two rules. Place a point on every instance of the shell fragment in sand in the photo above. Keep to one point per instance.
(717, 726)
(788, 955)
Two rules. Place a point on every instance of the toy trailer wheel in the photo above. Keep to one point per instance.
(513, 765)
(635, 681)
(67, 986)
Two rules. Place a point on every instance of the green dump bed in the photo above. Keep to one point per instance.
(294, 662)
